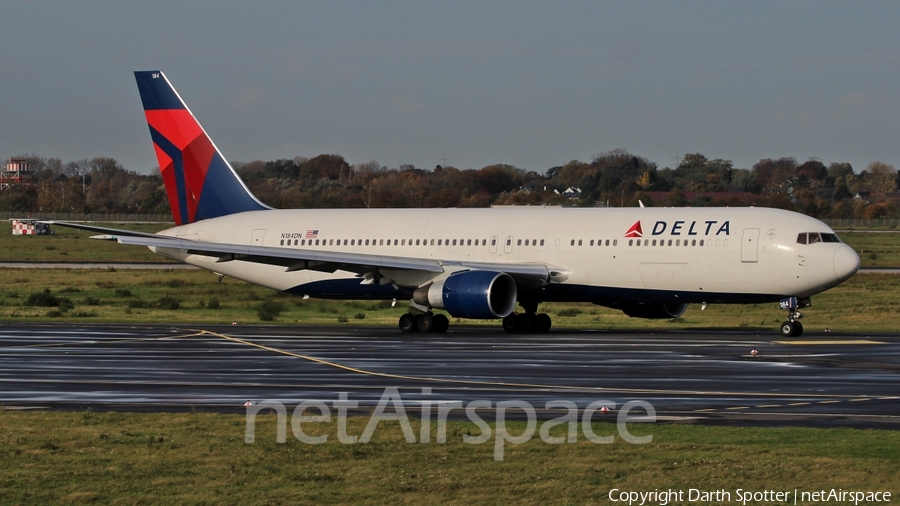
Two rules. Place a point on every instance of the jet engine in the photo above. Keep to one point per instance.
(471, 294)
(656, 310)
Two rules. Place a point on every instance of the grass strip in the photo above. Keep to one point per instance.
(201, 458)
(865, 303)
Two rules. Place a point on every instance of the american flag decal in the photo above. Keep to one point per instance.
(312, 234)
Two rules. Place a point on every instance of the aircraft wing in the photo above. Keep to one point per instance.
(294, 259)
(112, 232)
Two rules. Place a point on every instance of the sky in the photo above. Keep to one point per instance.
(465, 84)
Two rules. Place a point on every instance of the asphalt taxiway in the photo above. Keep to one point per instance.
(709, 376)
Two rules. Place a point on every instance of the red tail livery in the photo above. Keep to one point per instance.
(200, 184)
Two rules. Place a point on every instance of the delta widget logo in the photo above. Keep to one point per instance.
(635, 230)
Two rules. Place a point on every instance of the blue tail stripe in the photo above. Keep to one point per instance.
(156, 93)
(175, 154)
(223, 192)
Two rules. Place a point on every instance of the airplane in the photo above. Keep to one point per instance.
(479, 263)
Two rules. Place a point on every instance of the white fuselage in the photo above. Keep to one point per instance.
(693, 254)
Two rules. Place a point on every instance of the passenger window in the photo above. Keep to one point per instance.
(693, 242)
(508, 242)
(572, 243)
(469, 242)
(670, 242)
(579, 242)
(331, 242)
(282, 242)
(493, 242)
(615, 242)
(630, 241)
(542, 242)
(454, 242)
(654, 242)
(592, 242)
(701, 242)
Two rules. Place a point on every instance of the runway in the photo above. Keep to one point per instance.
(701, 376)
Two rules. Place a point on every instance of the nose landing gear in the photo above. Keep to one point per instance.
(792, 327)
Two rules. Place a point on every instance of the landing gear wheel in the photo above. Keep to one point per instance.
(441, 324)
(425, 323)
(542, 322)
(509, 323)
(525, 323)
(407, 323)
(788, 329)
(798, 329)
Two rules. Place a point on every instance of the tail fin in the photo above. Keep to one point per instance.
(199, 182)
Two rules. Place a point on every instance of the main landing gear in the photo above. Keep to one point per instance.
(424, 322)
(792, 327)
(527, 323)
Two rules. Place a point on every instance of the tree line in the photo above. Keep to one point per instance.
(612, 178)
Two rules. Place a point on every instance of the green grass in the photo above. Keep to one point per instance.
(200, 458)
(875, 249)
(71, 245)
(865, 303)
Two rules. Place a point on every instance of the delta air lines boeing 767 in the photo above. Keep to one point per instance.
(478, 263)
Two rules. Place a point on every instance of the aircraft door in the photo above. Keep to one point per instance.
(494, 240)
(507, 246)
(257, 238)
(749, 245)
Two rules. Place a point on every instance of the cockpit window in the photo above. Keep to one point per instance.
(814, 237)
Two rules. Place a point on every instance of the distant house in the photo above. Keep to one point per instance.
(878, 197)
(864, 196)
(572, 193)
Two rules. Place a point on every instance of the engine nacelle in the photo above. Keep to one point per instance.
(471, 294)
(657, 310)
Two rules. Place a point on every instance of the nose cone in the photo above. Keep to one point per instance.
(846, 262)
